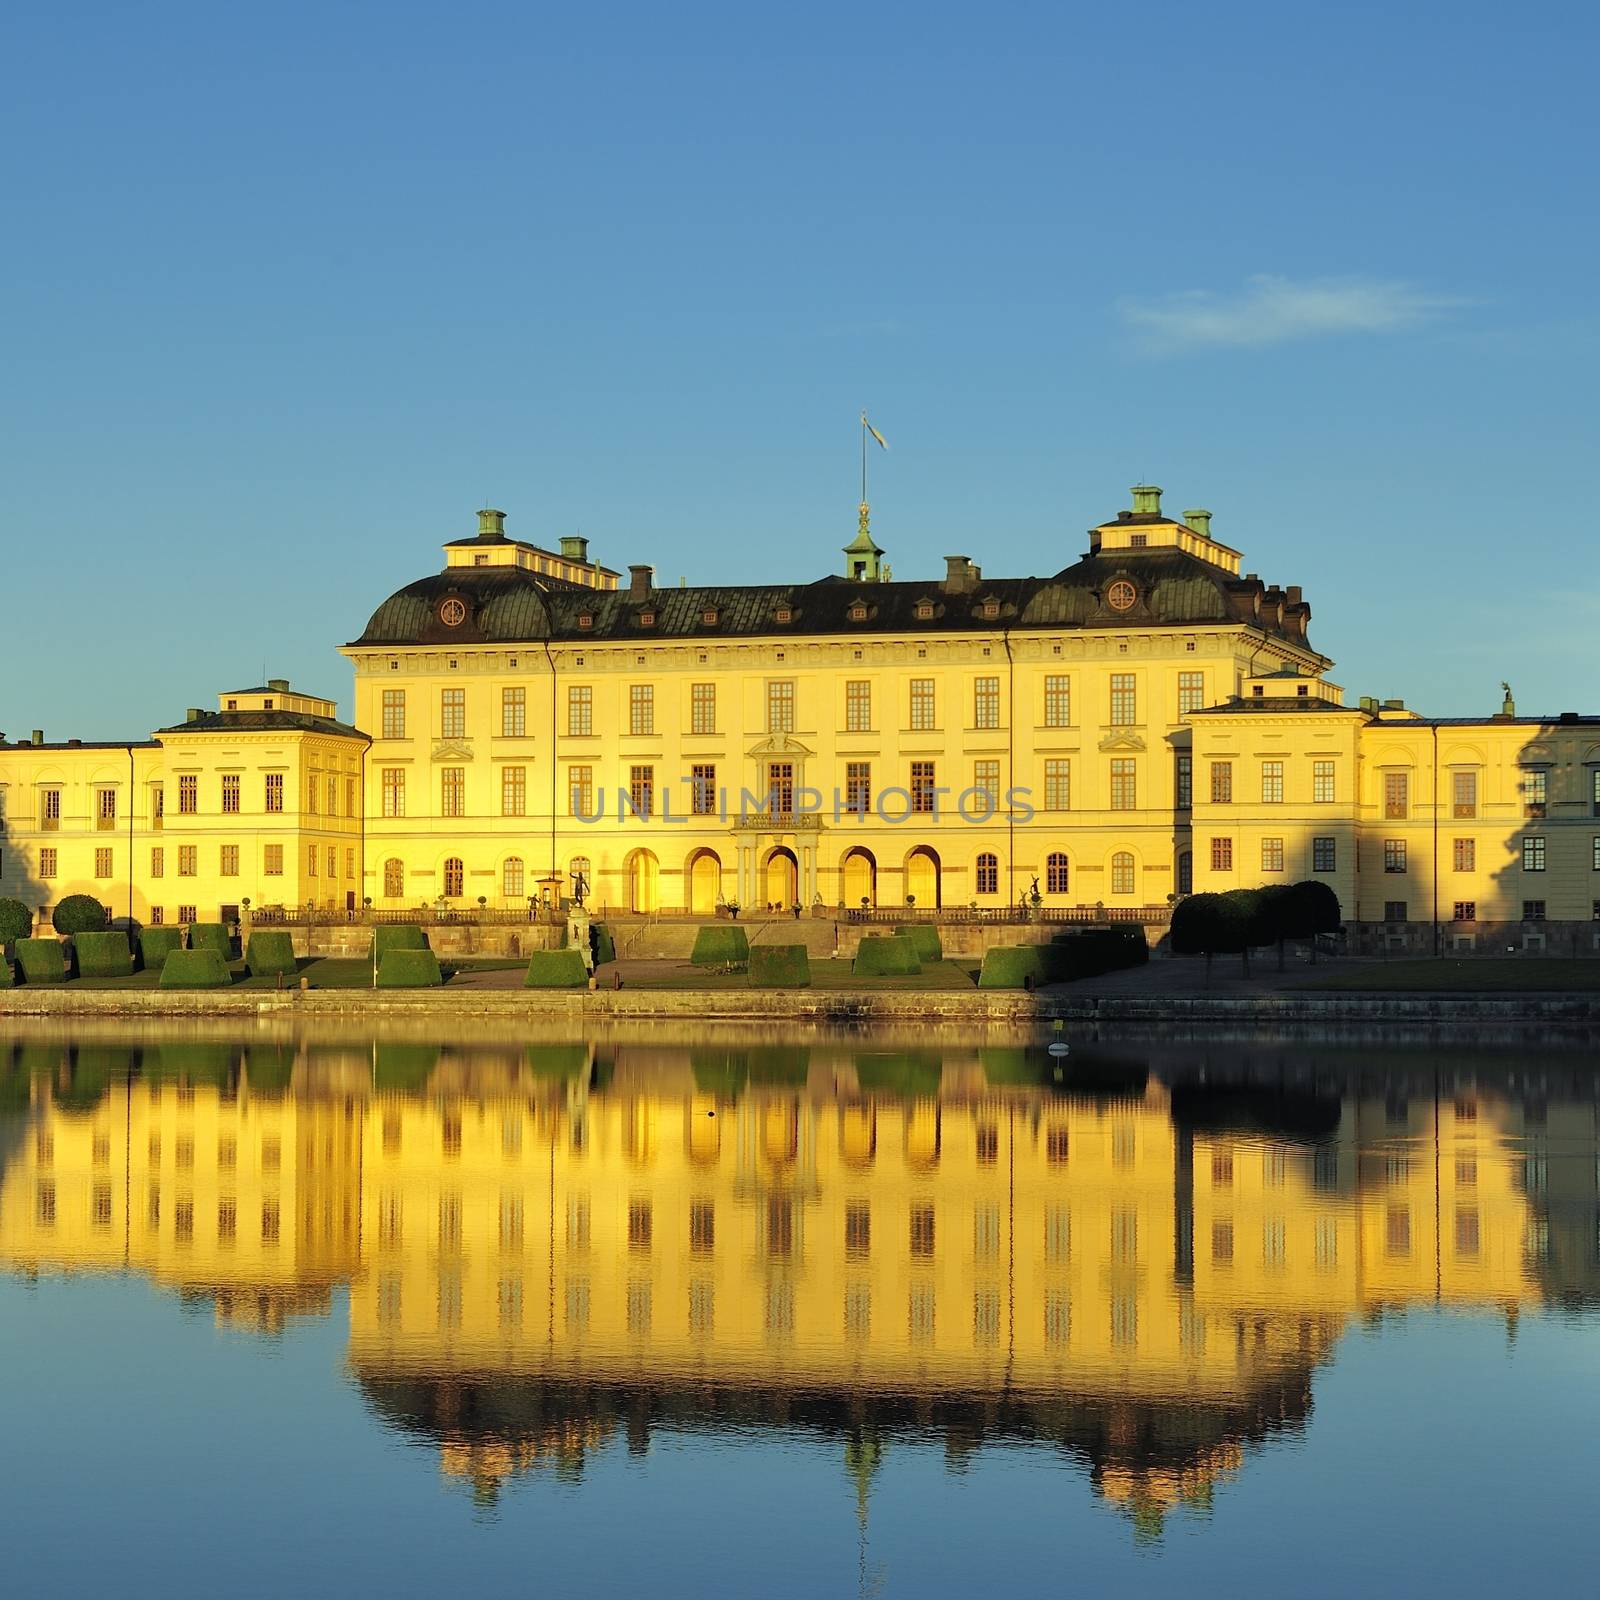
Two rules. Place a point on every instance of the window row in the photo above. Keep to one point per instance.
(1324, 787)
(1324, 854)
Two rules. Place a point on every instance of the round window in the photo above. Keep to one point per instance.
(1121, 595)
(453, 613)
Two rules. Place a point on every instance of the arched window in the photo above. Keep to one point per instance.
(455, 878)
(1122, 873)
(581, 876)
(511, 878)
(394, 878)
(1186, 873)
(1057, 873)
(988, 874)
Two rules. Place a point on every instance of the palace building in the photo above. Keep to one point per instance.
(1145, 722)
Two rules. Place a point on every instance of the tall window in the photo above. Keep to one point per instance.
(1324, 853)
(1396, 794)
(1272, 855)
(703, 789)
(1533, 853)
(102, 862)
(1322, 783)
(1124, 700)
(986, 703)
(311, 863)
(1394, 855)
(780, 787)
(333, 795)
(1222, 783)
(452, 713)
(230, 861)
(47, 861)
(394, 878)
(1183, 781)
(1057, 873)
(311, 793)
(988, 874)
(394, 791)
(922, 786)
(703, 708)
(513, 880)
(1222, 855)
(1122, 873)
(272, 860)
(188, 794)
(1464, 854)
(230, 792)
(1272, 783)
(1057, 784)
(1191, 692)
(1057, 700)
(641, 708)
(780, 705)
(50, 810)
(858, 787)
(922, 703)
(394, 713)
(158, 862)
(274, 792)
(105, 808)
(1595, 852)
(642, 790)
(452, 791)
(1535, 792)
(858, 706)
(580, 791)
(1123, 786)
(1464, 794)
(158, 805)
(455, 878)
(188, 857)
(1185, 884)
(986, 780)
(1594, 792)
(580, 709)
(1533, 910)
(513, 712)
(513, 791)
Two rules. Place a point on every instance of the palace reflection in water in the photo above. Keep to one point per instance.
(553, 1246)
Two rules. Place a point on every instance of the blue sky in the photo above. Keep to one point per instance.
(290, 291)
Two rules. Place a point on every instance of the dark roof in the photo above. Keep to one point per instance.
(278, 688)
(511, 605)
(11, 745)
(265, 722)
(1277, 703)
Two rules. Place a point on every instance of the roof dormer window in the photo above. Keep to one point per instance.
(1138, 541)
(858, 611)
(709, 616)
(991, 610)
(783, 614)
(647, 619)
(924, 611)
(585, 620)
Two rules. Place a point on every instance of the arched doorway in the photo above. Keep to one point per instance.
(923, 877)
(860, 879)
(643, 882)
(705, 882)
(782, 880)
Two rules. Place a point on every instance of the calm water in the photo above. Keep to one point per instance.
(315, 1313)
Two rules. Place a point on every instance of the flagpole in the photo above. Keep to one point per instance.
(863, 458)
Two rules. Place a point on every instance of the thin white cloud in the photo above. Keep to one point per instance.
(1271, 310)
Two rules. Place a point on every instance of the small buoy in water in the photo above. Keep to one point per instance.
(711, 1113)
(1057, 1048)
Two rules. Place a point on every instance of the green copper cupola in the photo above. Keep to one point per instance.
(863, 558)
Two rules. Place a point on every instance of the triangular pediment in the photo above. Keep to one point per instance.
(1122, 740)
(451, 750)
(779, 747)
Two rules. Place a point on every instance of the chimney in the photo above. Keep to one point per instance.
(1200, 521)
(1394, 705)
(1368, 703)
(74, 743)
(193, 714)
(574, 547)
(1146, 500)
(1292, 595)
(278, 685)
(491, 524)
(38, 735)
(960, 575)
(641, 580)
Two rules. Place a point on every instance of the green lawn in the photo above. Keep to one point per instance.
(1473, 975)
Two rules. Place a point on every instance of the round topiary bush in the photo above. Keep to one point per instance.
(79, 913)
(16, 921)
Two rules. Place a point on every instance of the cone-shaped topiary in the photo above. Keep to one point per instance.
(156, 944)
(194, 969)
(396, 936)
(925, 938)
(779, 966)
(556, 969)
(409, 969)
(720, 945)
(41, 960)
(269, 953)
(103, 955)
(878, 956)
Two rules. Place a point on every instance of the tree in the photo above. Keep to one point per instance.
(16, 921)
(79, 913)
(1311, 908)
(1241, 923)
(1194, 925)
(1278, 914)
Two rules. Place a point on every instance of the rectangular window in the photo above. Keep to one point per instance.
(1057, 701)
(642, 789)
(1465, 911)
(780, 705)
(158, 862)
(1535, 793)
(1322, 783)
(703, 708)
(272, 861)
(452, 713)
(105, 808)
(986, 780)
(230, 793)
(1394, 855)
(1272, 855)
(1057, 784)
(230, 861)
(158, 916)
(1594, 792)
(1124, 795)
(1324, 853)
(580, 791)
(47, 861)
(274, 791)
(1464, 854)
(580, 709)
(1272, 783)
(1464, 794)
(922, 786)
(188, 794)
(186, 914)
(513, 791)
(1191, 692)
(394, 791)
(187, 857)
(311, 862)
(641, 708)
(158, 805)
(1533, 910)
(394, 713)
(922, 707)
(333, 795)
(1394, 911)
(102, 863)
(703, 789)
(986, 703)
(50, 810)
(311, 794)
(1533, 853)
(1594, 850)
(1396, 794)
(1222, 783)
(452, 791)
(1222, 855)
(513, 713)
(1183, 782)
(858, 788)
(858, 705)
(1124, 700)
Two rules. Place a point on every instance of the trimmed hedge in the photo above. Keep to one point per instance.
(925, 937)
(556, 969)
(79, 913)
(194, 969)
(409, 969)
(6, 978)
(103, 955)
(269, 953)
(1067, 957)
(605, 947)
(211, 936)
(156, 944)
(780, 966)
(395, 936)
(16, 921)
(885, 956)
(720, 945)
(1014, 966)
(41, 960)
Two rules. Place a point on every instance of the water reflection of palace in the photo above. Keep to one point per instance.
(549, 1248)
